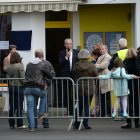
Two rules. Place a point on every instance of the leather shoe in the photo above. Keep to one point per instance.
(87, 127)
(126, 126)
(76, 125)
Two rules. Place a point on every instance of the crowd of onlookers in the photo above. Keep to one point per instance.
(122, 69)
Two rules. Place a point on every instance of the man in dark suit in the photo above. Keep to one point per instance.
(67, 59)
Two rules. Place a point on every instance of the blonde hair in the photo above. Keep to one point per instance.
(131, 53)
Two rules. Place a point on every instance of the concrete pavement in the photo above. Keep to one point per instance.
(102, 129)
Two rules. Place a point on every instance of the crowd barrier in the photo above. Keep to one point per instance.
(78, 100)
(94, 103)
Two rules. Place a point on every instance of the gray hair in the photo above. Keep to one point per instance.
(84, 54)
(67, 40)
(123, 42)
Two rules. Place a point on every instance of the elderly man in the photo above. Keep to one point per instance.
(105, 85)
(121, 53)
(67, 58)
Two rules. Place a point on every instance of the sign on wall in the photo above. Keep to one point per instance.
(111, 39)
(91, 38)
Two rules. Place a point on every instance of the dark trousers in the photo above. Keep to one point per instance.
(133, 100)
(83, 107)
(106, 104)
(16, 97)
(68, 96)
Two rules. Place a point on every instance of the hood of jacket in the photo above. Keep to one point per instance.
(82, 65)
(35, 60)
(117, 73)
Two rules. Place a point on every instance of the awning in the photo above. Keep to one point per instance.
(15, 6)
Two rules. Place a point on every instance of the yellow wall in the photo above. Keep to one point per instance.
(105, 18)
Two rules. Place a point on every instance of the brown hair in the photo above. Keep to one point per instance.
(15, 58)
(118, 63)
(96, 52)
(131, 53)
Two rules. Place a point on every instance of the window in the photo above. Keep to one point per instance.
(56, 16)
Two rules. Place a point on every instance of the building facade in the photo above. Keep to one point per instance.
(85, 21)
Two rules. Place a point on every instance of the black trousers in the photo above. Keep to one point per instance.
(133, 100)
(106, 104)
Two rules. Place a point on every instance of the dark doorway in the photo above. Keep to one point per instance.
(54, 43)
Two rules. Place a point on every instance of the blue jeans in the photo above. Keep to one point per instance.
(45, 120)
(31, 95)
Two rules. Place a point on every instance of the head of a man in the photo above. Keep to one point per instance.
(68, 44)
(12, 48)
(103, 49)
(39, 53)
(123, 43)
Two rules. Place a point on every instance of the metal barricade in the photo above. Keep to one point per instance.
(72, 101)
(91, 100)
(60, 99)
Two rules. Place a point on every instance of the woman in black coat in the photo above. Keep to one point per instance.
(133, 98)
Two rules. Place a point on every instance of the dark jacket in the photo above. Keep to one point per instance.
(138, 63)
(36, 74)
(84, 68)
(64, 63)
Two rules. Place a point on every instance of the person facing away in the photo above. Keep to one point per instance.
(130, 63)
(67, 58)
(121, 53)
(6, 62)
(35, 86)
(84, 68)
(45, 121)
(120, 85)
(16, 93)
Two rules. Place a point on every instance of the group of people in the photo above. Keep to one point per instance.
(121, 67)
(75, 64)
(37, 75)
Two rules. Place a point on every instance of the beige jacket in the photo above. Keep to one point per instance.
(102, 66)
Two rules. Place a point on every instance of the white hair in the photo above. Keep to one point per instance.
(123, 42)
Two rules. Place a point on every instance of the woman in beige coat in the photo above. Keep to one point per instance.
(105, 85)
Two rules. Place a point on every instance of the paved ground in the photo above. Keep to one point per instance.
(102, 129)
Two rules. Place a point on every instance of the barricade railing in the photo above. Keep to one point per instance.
(74, 101)
(93, 102)
(60, 99)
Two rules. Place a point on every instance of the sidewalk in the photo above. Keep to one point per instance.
(102, 129)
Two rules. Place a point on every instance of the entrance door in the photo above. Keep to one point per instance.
(54, 43)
